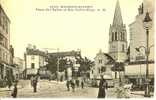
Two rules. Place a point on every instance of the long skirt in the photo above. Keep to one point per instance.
(101, 93)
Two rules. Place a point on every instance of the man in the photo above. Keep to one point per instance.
(35, 83)
(82, 84)
(102, 87)
(14, 92)
(73, 84)
(68, 85)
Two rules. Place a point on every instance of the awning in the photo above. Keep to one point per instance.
(139, 69)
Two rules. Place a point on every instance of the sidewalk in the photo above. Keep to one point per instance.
(141, 93)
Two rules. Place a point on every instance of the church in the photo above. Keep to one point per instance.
(117, 48)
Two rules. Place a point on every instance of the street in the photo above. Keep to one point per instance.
(49, 89)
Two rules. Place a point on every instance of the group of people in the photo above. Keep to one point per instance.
(70, 83)
(73, 83)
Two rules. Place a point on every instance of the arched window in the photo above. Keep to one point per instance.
(112, 36)
(123, 36)
(123, 48)
(115, 35)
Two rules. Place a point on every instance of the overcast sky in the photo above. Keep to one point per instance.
(87, 31)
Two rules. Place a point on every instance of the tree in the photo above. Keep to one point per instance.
(85, 64)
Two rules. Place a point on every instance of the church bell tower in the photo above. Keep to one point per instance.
(118, 37)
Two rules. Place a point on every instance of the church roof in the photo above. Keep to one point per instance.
(117, 15)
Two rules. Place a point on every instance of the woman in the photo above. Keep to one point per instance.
(14, 92)
(102, 88)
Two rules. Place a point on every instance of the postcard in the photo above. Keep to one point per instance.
(77, 49)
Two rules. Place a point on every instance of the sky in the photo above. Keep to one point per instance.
(84, 30)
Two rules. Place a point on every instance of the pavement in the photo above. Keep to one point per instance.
(54, 89)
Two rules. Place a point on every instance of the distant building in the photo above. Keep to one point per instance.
(100, 64)
(118, 37)
(19, 64)
(34, 59)
(6, 51)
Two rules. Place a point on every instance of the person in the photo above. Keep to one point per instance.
(35, 84)
(31, 81)
(102, 87)
(77, 82)
(82, 84)
(68, 85)
(14, 92)
(73, 84)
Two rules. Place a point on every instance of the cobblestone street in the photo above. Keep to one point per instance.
(49, 89)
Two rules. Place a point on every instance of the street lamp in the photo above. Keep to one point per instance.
(147, 22)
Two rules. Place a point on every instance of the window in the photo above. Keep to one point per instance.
(123, 36)
(123, 47)
(115, 35)
(112, 36)
(103, 69)
(32, 65)
(100, 61)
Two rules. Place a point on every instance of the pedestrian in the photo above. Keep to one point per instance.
(68, 85)
(14, 92)
(102, 87)
(82, 84)
(31, 81)
(73, 84)
(77, 82)
(9, 83)
(35, 84)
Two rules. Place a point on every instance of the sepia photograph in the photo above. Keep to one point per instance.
(77, 49)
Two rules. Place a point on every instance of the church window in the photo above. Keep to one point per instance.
(100, 61)
(123, 47)
(115, 35)
(123, 36)
(99, 70)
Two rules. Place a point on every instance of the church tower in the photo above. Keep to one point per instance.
(118, 36)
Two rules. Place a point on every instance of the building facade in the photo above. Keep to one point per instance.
(6, 51)
(118, 37)
(138, 33)
(100, 64)
(19, 64)
(138, 39)
(34, 59)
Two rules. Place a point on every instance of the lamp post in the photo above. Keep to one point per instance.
(147, 22)
(147, 25)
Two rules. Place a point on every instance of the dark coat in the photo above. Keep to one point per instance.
(102, 88)
(14, 93)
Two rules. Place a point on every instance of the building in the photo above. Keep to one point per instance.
(118, 37)
(34, 60)
(19, 64)
(100, 64)
(6, 51)
(70, 65)
(138, 39)
(138, 33)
